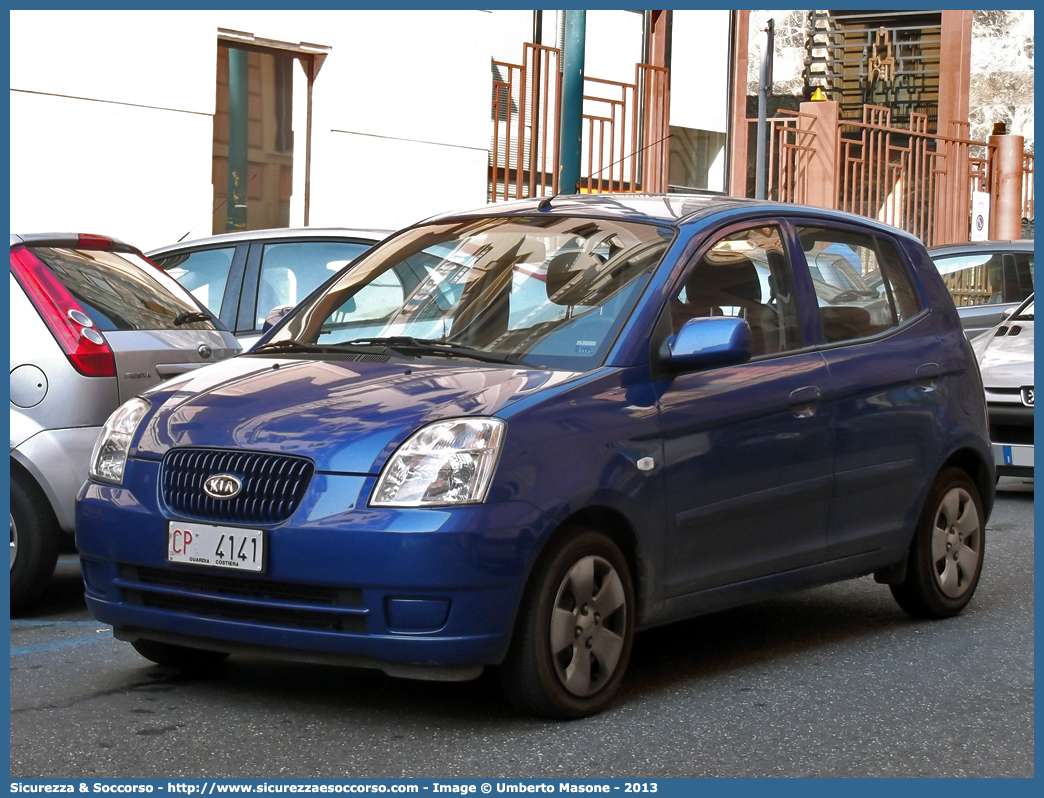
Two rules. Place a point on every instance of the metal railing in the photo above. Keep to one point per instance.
(610, 153)
(526, 102)
(1027, 186)
(627, 132)
(625, 129)
(918, 181)
(791, 148)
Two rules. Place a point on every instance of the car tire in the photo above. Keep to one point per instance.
(575, 628)
(35, 540)
(181, 658)
(946, 555)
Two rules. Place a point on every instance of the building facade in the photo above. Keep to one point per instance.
(136, 123)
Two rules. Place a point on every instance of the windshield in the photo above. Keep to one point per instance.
(546, 291)
(1025, 313)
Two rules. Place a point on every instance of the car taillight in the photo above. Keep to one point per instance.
(85, 347)
(92, 241)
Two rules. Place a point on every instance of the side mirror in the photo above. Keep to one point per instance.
(275, 315)
(708, 343)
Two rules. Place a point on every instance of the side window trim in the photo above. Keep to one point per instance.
(808, 311)
(233, 287)
(1024, 273)
(248, 297)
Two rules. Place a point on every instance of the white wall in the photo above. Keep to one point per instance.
(111, 123)
(112, 117)
(402, 121)
(700, 70)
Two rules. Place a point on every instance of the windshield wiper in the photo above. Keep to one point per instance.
(289, 345)
(188, 316)
(428, 346)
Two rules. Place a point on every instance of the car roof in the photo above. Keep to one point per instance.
(282, 233)
(972, 247)
(672, 209)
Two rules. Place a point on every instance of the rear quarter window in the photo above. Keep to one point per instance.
(203, 272)
(120, 290)
(870, 290)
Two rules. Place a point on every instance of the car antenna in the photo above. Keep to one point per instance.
(216, 209)
(545, 203)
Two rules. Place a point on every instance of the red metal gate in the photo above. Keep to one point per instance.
(907, 177)
(624, 132)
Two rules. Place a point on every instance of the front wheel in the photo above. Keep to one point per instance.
(946, 555)
(576, 625)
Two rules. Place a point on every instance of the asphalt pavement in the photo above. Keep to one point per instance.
(835, 681)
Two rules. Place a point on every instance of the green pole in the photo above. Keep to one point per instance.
(572, 101)
(238, 118)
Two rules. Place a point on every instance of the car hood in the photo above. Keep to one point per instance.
(348, 417)
(1006, 361)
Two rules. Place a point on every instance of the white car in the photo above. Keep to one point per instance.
(241, 277)
(1006, 361)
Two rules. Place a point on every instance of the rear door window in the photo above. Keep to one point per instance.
(291, 271)
(973, 279)
(121, 291)
(203, 272)
(876, 293)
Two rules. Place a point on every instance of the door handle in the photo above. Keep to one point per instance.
(803, 401)
(166, 370)
(926, 375)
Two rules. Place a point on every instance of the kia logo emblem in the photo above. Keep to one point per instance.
(222, 486)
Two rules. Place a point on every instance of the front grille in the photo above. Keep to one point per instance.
(246, 588)
(272, 616)
(149, 585)
(272, 485)
(1012, 433)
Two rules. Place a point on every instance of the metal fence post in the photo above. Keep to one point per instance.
(238, 120)
(1006, 218)
(572, 100)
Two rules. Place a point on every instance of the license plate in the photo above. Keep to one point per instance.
(216, 546)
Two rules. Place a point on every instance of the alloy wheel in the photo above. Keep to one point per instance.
(956, 542)
(587, 626)
(14, 542)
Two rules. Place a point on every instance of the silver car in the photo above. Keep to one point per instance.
(241, 277)
(1006, 361)
(986, 279)
(92, 324)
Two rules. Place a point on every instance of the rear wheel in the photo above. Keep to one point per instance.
(946, 555)
(182, 658)
(35, 539)
(573, 637)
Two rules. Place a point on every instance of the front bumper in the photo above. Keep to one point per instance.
(1011, 434)
(1013, 459)
(418, 592)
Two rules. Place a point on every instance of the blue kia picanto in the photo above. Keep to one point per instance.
(514, 437)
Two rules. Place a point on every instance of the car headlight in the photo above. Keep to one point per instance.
(109, 457)
(448, 462)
